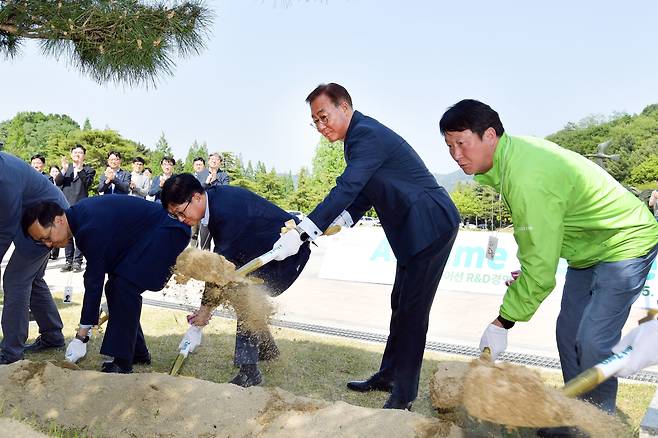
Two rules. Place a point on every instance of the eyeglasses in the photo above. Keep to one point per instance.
(180, 215)
(47, 239)
(322, 120)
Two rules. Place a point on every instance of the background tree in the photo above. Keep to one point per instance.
(27, 133)
(162, 149)
(127, 41)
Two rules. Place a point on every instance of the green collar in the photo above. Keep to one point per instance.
(492, 176)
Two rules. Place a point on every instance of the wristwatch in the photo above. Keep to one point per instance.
(303, 235)
(83, 339)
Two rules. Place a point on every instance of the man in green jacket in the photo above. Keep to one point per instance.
(563, 206)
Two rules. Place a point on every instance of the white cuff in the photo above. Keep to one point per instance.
(310, 228)
(85, 326)
(347, 218)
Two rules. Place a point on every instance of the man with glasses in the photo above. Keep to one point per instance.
(75, 180)
(167, 164)
(243, 226)
(216, 176)
(144, 232)
(23, 284)
(418, 217)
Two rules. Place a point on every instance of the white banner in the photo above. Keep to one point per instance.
(364, 255)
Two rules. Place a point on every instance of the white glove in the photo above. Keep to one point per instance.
(644, 340)
(287, 245)
(343, 220)
(495, 338)
(192, 337)
(76, 350)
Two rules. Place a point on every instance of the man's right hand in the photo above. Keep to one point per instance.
(193, 337)
(76, 350)
(494, 337)
(287, 245)
(201, 317)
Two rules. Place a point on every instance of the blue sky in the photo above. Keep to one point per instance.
(404, 62)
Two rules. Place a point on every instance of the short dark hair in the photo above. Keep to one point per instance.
(38, 157)
(199, 159)
(56, 167)
(115, 153)
(148, 168)
(170, 159)
(43, 212)
(337, 93)
(179, 189)
(471, 114)
(138, 160)
(79, 146)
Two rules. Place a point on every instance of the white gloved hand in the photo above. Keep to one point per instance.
(343, 220)
(287, 245)
(644, 340)
(75, 351)
(192, 337)
(495, 338)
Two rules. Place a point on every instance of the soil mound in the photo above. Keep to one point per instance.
(159, 405)
(12, 428)
(516, 396)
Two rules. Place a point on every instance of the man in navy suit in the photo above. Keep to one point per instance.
(138, 230)
(418, 217)
(243, 226)
(114, 180)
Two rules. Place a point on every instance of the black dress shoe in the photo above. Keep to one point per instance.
(111, 367)
(142, 360)
(374, 383)
(40, 345)
(66, 268)
(247, 379)
(395, 403)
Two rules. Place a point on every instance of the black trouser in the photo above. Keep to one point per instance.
(123, 337)
(411, 301)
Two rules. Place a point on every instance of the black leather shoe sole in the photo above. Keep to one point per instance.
(244, 380)
(111, 367)
(370, 385)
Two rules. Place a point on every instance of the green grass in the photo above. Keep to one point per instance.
(310, 365)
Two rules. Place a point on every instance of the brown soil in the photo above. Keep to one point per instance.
(159, 405)
(516, 396)
(224, 287)
(13, 428)
(447, 385)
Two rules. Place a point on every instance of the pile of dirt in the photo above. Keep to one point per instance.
(13, 428)
(224, 287)
(516, 396)
(158, 405)
(447, 385)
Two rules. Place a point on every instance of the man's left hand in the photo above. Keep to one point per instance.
(644, 340)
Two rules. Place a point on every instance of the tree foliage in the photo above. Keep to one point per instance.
(127, 41)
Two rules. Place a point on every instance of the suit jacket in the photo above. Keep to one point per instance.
(202, 177)
(21, 186)
(244, 226)
(221, 180)
(75, 187)
(384, 172)
(124, 236)
(121, 183)
(156, 190)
